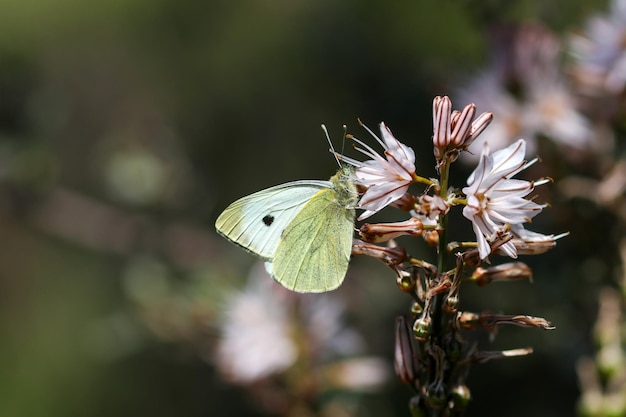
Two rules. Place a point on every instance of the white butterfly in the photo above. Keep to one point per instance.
(303, 229)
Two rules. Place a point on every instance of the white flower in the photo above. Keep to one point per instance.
(256, 339)
(386, 178)
(494, 200)
(257, 330)
(600, 53)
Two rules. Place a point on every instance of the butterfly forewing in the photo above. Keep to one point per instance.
(256, 222)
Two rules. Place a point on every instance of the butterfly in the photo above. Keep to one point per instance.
(303, 230)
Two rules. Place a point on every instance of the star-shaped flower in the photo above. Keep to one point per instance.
(495, 200)
(386, 177)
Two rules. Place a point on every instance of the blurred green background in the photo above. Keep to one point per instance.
(126, 126)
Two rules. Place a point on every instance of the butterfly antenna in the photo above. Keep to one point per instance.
(332, 148)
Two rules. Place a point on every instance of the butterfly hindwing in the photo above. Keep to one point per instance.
(315, 247)
(324, 245)
(256, 222)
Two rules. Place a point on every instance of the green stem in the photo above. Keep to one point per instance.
(442, 251)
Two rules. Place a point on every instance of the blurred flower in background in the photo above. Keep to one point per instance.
(599, 52)
(289, 348)
(527, 92)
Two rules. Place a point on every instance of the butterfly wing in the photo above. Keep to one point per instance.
(315, 248)
(256, 222)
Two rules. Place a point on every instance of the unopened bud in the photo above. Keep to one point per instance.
(421, 328)
(416, 309)
(511, 271)
(478, 126)
(431, 237)
(406, 282)
(390, 256)
(405, 203)
(471, 258)
(489, 321)
(451, 304)
(404, 357)
(454, 131)
(467, 320)
(536, 243)
(383, 232)
(462, 124)
(442, 108)
(461, 397)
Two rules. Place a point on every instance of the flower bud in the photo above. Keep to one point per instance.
(537, 244)
(478, 126)
(461, 397)
(405, 203)
(511, 271)
(431, 237)
(416, 309)
(390, 256)
(421, 328)
(454, 131)
(489, 321)
(451, 304)
(467, 320)
(442, 108)
(462, 123)
(404, 357)
(383, 232)
(405, 282)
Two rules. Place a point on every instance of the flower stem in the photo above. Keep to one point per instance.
(442, 250)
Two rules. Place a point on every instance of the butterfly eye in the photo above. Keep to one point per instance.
(268, 220)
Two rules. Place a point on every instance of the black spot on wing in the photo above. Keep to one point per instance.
(268, 220)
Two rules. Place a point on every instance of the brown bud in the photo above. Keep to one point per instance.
(536, 246)
(467, 320)
(383, 232)
(405, 203)
(461, 397)
(405, 363)
(490, 321)
(390, 256)
(511, 271)
(431, 237)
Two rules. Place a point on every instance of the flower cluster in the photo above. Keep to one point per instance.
(495, 202)
(497, 206)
